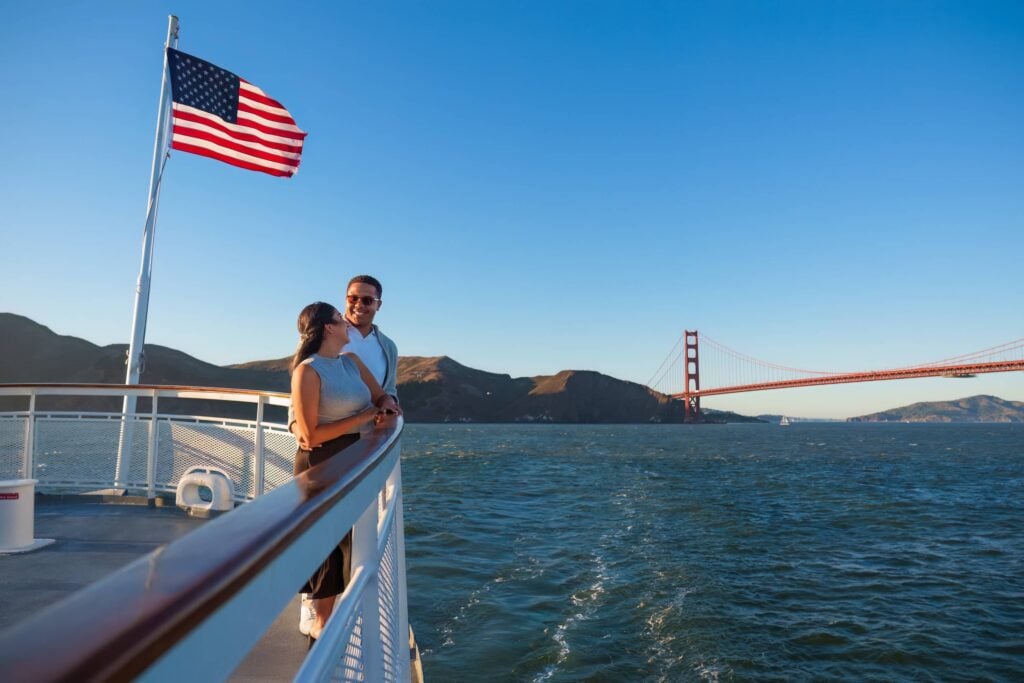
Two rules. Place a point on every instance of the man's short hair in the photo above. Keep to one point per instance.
(367, 280)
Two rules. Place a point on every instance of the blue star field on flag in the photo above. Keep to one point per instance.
(202, 85)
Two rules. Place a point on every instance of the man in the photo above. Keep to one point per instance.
(379, 354)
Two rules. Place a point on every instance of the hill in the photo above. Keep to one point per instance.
(436, 389)
(432, 389)
(30, 352)
(972, 409)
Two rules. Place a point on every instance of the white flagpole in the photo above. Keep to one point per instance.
(135, 348)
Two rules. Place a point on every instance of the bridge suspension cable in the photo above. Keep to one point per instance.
(666, 365)
(757, 361)
(1009, 351)
(725, 370)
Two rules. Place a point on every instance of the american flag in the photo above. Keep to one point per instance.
(217, 114)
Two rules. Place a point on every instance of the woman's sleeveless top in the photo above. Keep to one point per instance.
(342, 391)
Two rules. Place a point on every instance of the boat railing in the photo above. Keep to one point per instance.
(193, 609)
(148, 450)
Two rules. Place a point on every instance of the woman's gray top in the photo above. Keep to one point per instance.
(342, 390)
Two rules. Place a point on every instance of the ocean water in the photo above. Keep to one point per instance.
(716, 553)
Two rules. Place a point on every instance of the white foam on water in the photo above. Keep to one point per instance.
(448, 629)
(587, 602)
(708, 671)
(663, 637)
(526, 569)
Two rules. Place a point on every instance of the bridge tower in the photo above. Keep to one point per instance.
(690, 398)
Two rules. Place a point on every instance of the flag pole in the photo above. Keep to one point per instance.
(136, 356)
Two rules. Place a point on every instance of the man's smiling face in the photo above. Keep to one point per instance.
(362, 302)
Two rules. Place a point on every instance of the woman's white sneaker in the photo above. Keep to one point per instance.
(307, 614)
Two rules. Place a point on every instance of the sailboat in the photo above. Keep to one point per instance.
(784, 422)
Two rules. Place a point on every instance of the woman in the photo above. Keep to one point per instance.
(333, 395)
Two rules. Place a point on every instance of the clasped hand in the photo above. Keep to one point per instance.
(388, 412)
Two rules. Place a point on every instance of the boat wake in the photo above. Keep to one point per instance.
(586, 603)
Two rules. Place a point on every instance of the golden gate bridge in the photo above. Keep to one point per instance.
(726, 371)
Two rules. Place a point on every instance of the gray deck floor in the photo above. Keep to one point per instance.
(95, 539)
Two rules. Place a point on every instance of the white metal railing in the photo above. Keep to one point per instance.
(77, 450)
(194, 608)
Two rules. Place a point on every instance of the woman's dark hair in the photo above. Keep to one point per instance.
(311, 324)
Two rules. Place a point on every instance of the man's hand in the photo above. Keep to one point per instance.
(389, 412)
(389, 406)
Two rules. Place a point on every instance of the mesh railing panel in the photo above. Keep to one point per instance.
(136, 475)
(82, 451)
(279, 452)
(228, 447)
(388, 605)
(350, 667)
(12, 446)
(182, 445)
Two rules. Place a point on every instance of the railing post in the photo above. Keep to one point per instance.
(28, 457)
(366, 555)
(259, 454)
(151, 451)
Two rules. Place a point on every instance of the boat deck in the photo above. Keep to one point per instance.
(95, 537)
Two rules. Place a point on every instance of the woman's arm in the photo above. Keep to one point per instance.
(306, 400)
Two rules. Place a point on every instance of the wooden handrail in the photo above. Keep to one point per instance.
(116, 628)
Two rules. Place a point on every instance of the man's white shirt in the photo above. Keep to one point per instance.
(369, 350)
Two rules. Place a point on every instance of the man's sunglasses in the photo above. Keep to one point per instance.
(367, 300)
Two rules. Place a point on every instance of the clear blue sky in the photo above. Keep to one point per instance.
(541, 185)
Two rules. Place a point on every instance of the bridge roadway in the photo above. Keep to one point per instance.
(869, 376)
(97, 535)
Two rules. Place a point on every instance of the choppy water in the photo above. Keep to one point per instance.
(720, 552)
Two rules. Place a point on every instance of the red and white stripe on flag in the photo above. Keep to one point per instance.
(264, 138)
(219, 115)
